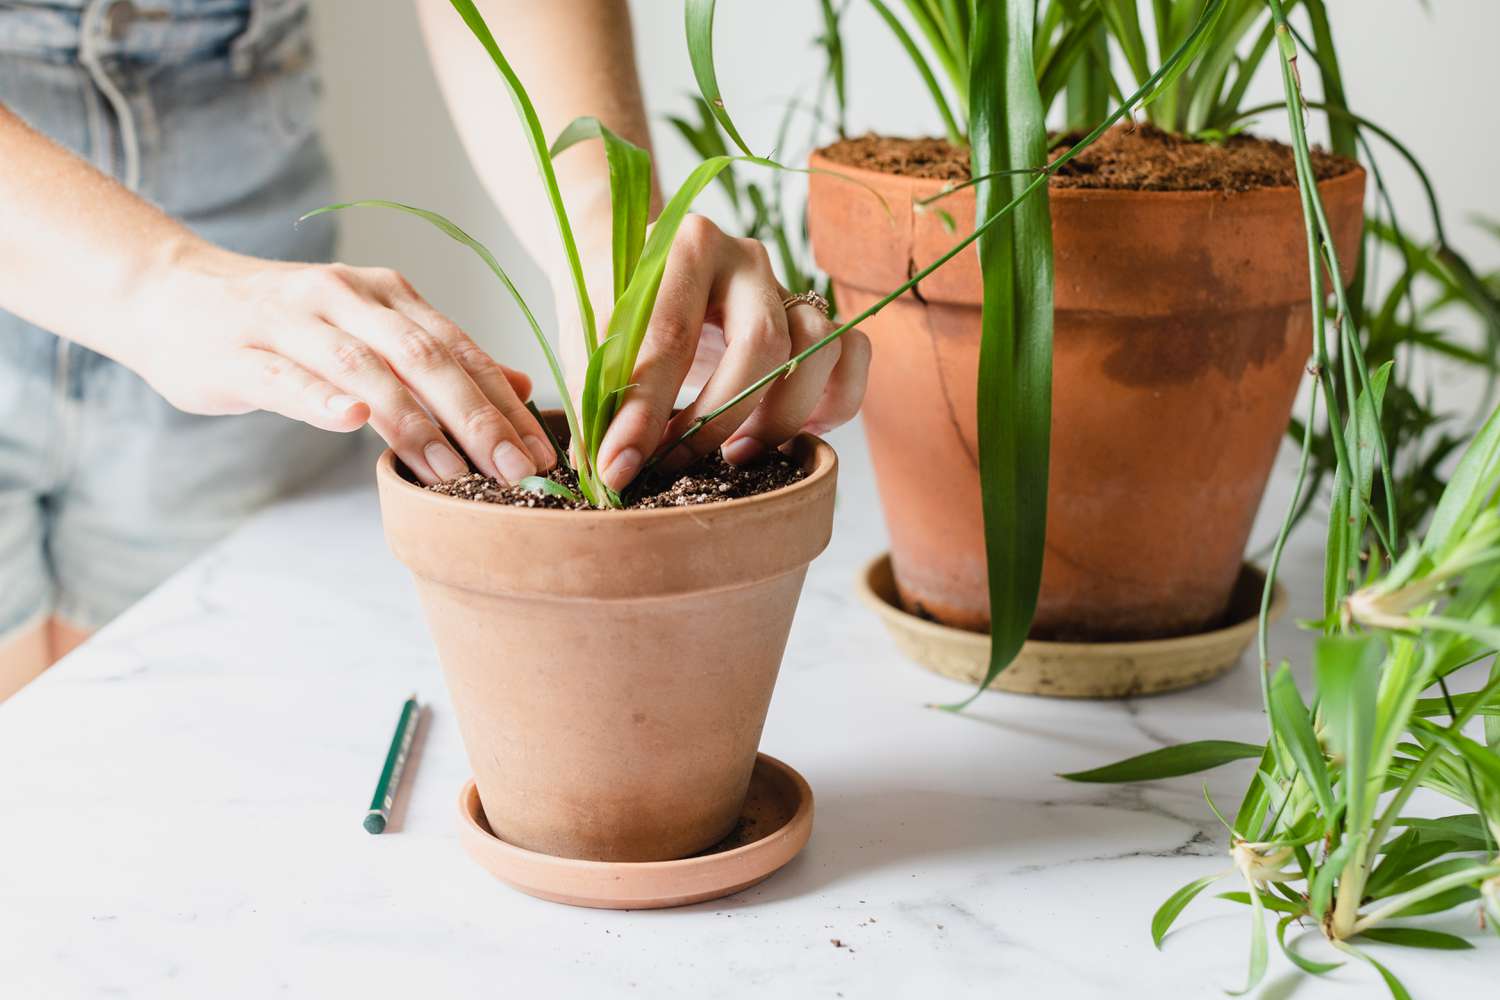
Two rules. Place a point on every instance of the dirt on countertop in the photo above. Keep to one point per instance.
(710, 480)
(1126, 158)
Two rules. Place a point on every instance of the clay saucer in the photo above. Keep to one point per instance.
(774, 826)
(1074, 669)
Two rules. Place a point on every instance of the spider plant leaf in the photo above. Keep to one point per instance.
(1397, 991)
(611, 366)
(1170, 762)
(536, 140)
(1293, 724)
(1438, 902)
(929, 80)
(1166, 914)
(1257, 970)
(1007, 131)
(629, 192)
(1346, 519)
(559, 453)
(1348, 677)
(1465, 830)
(549, 487)
(1320, 889)
(1405, 855)
(1417, 937)
(1468, 491)
(699, 16)
(1289, 950)
(1269, 902)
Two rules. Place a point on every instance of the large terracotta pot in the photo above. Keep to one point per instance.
(611, 670)
(1182, 330)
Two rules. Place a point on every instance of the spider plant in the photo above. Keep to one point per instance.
(1315, 835)
(639, 259)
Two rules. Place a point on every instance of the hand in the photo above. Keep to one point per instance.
(335, 347)
(715, 279)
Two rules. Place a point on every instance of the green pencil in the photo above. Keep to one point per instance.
(395, 763)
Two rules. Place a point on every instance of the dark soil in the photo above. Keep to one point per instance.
(710, 480)
(1126, 158)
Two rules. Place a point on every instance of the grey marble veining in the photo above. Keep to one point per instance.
(180, 805)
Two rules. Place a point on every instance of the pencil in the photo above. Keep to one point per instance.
(395, 763)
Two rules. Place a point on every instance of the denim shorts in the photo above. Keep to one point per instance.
(206, 107)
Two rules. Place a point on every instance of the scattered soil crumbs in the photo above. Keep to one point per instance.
(710, 480)
(1134, 158)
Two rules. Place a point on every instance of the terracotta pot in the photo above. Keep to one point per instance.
(611, 670)
(1182, 331)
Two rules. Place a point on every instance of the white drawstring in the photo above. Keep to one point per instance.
(92, 60)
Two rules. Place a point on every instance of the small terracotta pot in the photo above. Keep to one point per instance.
(1182, 330)
(611, 670)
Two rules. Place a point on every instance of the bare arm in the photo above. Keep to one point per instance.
(576, 57)
(217, 332)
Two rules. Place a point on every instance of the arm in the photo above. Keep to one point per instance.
(577, 58)
(217, 332)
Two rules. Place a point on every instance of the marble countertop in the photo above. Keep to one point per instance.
(180, 807)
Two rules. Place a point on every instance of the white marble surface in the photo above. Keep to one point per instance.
(180, 805)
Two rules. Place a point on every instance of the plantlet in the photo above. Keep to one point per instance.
(639, 260)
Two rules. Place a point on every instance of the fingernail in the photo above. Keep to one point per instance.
(513, 465)
(341, 404)
(445, 461)
(540, 450)
(742, 450)
(623, 469)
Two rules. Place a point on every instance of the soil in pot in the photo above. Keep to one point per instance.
(710, 480)
(1182, 329)
(1142, 158)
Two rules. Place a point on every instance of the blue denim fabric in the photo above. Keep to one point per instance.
(206, 107)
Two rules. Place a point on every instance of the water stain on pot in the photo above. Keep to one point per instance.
(1179, 349)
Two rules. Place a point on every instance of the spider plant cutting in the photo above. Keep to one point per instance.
(1315, 839)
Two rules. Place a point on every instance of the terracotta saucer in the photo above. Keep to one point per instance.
(1074, 669)
(775, 824)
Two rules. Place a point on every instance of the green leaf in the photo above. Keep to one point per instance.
(1167, 914)
(536, 140)
(542, 485)
(1417, 937)
(629, 192)
(1465, 830)
(1403, 855)
(1348, 676)
(1170, 762)
(1305, 964)
(1291, 721)
(1346, 518)
(1257, 946)
(1398, 992)
(700, 40)
(929, 80)
(1007, 131)
(1320, 890)
(1269, 902)
(1468, 491)
(613, 363)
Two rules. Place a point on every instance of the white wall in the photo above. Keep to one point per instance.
(1429, 77)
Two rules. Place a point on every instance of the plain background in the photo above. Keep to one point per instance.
(1429, 76)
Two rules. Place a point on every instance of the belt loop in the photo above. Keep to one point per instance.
(242, 52)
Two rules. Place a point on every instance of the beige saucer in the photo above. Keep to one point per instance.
(774, 826)
(1074, 669)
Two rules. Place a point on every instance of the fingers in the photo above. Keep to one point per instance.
(421, 376)
(757, 339)
(282, 386)
(845, 390)
(666, 353)
(504, 388)
(791, 399)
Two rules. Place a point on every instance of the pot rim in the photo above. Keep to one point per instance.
(818, 162)
(822, 454)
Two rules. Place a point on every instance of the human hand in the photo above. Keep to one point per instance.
(336, 347)
(727, 284)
